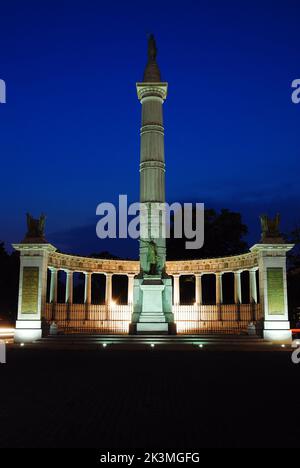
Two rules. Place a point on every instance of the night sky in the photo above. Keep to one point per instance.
(69, 132)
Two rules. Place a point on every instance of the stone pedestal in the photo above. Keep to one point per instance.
(32, 290)
(152, 305)
(273, 290)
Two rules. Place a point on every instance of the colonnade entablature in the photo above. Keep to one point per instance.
(75, 263)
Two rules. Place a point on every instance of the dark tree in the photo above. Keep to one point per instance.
(223, 235)
(9, 278)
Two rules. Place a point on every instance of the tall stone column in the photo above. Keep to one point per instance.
(53, 285)
(69, 287)
(219, 292)
(237, 287)
(108, 289)
(253, 286)
(32, 289)
(130, 289)
(273, 290)
(152, 308)
(198, 288)
(152, 93)
(176, 286)
(87, 288)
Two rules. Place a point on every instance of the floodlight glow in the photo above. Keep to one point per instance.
(21, 344)
(152, 345)
(200, 345)
(104, 345)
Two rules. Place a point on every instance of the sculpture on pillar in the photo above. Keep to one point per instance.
(35, 229)
(152, 257)
(152, 73)
(270, 229)
(152, 49)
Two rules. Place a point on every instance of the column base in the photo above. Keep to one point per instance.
(27, 331)
(277, 331)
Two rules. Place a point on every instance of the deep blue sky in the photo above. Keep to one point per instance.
(69, 133)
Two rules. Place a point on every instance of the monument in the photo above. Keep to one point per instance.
(151, 304)
(152, 297)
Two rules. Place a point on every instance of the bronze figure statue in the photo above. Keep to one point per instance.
(270, 227)
(152, 49)
(35, 227)
(152, 257)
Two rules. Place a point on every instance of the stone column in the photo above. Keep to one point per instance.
(219, 292)
(69, 287)
(237, 287)
(53, 285)
(273, 290)
(130, 289)
(32, 289)
(176, 288)
(87, 288)
(253, 286)
(108, 289)
(198, 288)
(152, 93)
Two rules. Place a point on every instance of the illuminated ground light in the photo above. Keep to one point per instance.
(152, 345)
(21, 344)
(104, 345)
(283, 345)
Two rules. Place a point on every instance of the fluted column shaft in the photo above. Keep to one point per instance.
(237, 287)
(53, 285)
(176, 289)
(219, 292)
(87, 288)
(253, 286)
(69, 287)
(108, 289)
(198, 289)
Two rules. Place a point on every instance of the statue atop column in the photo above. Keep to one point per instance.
(152, 73)
(270, 230)
(35, 229)
(152, 49)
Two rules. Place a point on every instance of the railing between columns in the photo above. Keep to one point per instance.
(221, 318)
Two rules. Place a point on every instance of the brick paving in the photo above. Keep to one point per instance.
(148, 399)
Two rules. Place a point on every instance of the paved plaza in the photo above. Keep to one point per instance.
(148, 398)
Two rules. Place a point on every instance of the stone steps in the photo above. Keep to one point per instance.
(224, 342)
(152, 318)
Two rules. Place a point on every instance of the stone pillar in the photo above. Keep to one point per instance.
(87, 288)
(273, 290)
(176, 289)
(198, 288)
(219, 291)
(108, 289)
(237, 287)
(53, 285)
(130, 289)
(152, 93)
(253, 286)
(32, 289)
(69, 287)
